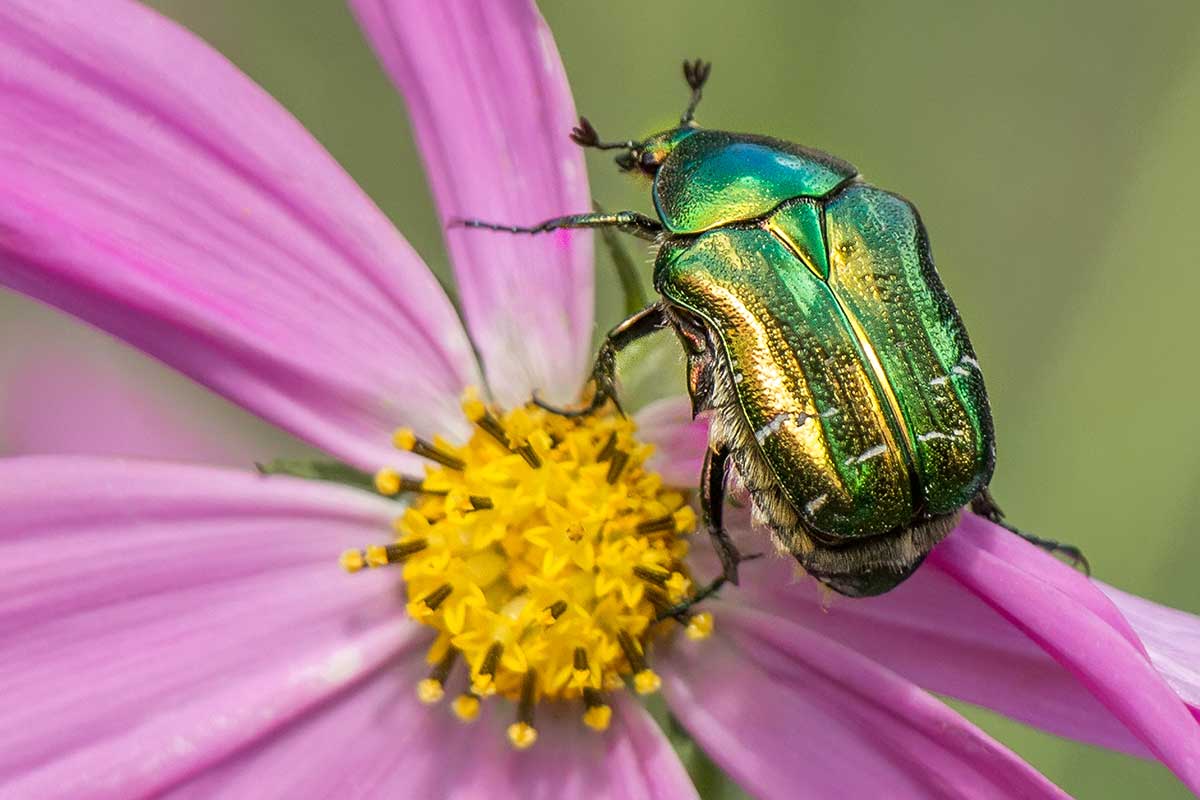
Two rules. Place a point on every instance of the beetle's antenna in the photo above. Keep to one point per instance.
(695, 73)
(585, 135)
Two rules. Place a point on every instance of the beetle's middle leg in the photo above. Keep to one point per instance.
(649, 320)
(712, 503)
(985, 506)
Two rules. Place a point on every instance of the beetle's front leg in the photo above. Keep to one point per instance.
(630, 222)
(985, 506)
(649, 320)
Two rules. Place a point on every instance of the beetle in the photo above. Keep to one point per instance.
(839, 377)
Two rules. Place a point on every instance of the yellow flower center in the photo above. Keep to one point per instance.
(543, 553)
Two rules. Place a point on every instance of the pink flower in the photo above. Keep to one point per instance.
(173, 628)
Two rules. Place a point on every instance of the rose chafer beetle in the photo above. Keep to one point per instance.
(838, 374)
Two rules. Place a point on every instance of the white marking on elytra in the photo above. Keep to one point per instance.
(814, 505)
(738, 377)
(772, 427)
(957, 369)
(953, 434)
(830, 413)
(874, 452)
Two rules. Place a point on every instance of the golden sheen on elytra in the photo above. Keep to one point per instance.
(542, 552)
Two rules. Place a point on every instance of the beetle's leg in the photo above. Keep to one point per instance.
(649, 320)
(985, 506)
(712, 501)
(712, 504)
(695, 73)
(630, 222)
(584, 134)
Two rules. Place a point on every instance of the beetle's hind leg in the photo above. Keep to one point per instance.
(985, 506)
(649, 320)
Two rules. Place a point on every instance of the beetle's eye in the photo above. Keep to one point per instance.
(649, 160)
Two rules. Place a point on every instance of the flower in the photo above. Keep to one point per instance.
(182, 628)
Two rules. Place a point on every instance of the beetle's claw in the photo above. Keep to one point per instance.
(562, 412)
(595, 404)
(1074, 555)
(584, 134)
(696, 72)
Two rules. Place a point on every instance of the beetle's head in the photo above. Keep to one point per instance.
(646, 156)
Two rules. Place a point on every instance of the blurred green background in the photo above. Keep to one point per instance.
(1054, 152)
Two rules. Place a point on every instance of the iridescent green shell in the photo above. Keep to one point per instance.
(851, 365)
(714, 178)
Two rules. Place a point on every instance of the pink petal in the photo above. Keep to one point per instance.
(632, 760)
(153, 190)
(789, 713)
(186, 628)
(1071, 620)
(679, 440)
(157, 618)
(951, 640)
(58, 402)
(1172, 638)
(995, 621)
(382, 743)
(940, 637)
(491, 110)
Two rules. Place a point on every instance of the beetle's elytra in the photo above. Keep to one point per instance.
(838, 374)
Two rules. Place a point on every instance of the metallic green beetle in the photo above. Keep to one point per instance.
(838, 374)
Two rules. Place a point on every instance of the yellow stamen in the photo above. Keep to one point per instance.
(543, 551)
(599, 713)
(598, 717)
(352, 560)
(404, 439)
(430, 691)
(678, 586)
(387, 481)
(466, 707)
(647, 682)
(376, 555)
(700, 626)
(522, 735)
(685, 520)
(473, 408)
